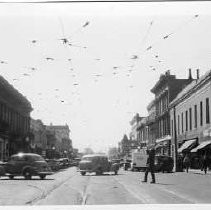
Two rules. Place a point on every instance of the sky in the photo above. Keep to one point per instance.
(100, 78)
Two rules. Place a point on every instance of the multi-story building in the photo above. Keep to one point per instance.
(38, 143)
(63, 144)
(150, 123)
(165, 90)
(142, 130)
(190, 115)
(14, 120)
(134, 134)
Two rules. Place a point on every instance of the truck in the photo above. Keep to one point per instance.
(139, 159)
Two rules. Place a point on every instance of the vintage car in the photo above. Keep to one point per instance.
(54, 164)
(27, 165)
(98, 164)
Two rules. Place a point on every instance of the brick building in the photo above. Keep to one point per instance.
(14, 120)
(38, 142)
(165, 90)
(63, 143)
(190, 115)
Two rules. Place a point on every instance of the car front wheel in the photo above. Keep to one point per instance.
(42, 176)
(11, 177)
(83, 173)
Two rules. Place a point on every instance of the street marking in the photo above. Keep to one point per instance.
(184, 197)
(143, 199)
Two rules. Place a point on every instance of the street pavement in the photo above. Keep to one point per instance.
(68, 187)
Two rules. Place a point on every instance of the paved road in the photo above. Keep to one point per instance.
(68, 187)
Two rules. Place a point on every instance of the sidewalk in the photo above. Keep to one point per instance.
(198, 171)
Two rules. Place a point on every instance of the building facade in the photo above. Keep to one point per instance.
(150, 123)
(38, 143)
(63, 143)
(142, 130)
(134, 134)
(14, 120)
(190, 114)
(165, 90)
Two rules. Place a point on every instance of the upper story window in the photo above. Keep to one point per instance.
(190, 118)
(201, 113)
(195, 116)
(182, 122)
(186, 120)
(207, 111)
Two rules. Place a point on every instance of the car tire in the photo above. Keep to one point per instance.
(11, 177)
(42, 177)
(27, 174)
(83, 173)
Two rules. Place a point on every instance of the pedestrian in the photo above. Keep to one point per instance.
(150, 165)
(186, 162)
(204, 163)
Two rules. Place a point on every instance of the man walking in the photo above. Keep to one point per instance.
(150, 166)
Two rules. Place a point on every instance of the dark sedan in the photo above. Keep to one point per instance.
(27, 165)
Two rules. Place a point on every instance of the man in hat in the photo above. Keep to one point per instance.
(150, 165)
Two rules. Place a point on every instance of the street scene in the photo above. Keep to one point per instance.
(105, 103)
(126, 188)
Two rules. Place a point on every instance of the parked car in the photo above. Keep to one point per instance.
(64, 162)
(75, 162)
(98, 164)
(27, 165)
(163, 163)
(54, 164)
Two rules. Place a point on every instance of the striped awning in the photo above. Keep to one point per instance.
(201, 146)
(187, 145)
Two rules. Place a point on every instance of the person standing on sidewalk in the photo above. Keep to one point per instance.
(186, 162)
(150, 165)
(205, 162)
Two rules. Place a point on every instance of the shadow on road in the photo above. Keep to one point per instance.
(163, 183)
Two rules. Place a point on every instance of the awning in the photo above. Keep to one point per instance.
(165, 138)
(187, 145)
(201, 146)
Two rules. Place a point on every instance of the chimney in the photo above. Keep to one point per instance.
(190, 75)
(197, 73)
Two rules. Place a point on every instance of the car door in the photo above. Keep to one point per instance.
(20, 162)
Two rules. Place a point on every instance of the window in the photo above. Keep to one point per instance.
(207, 111)
(190, 118)
(201, 113)
(195, 116)
(178, 124)
(172, 128)
(182, 123)
(186, 120)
